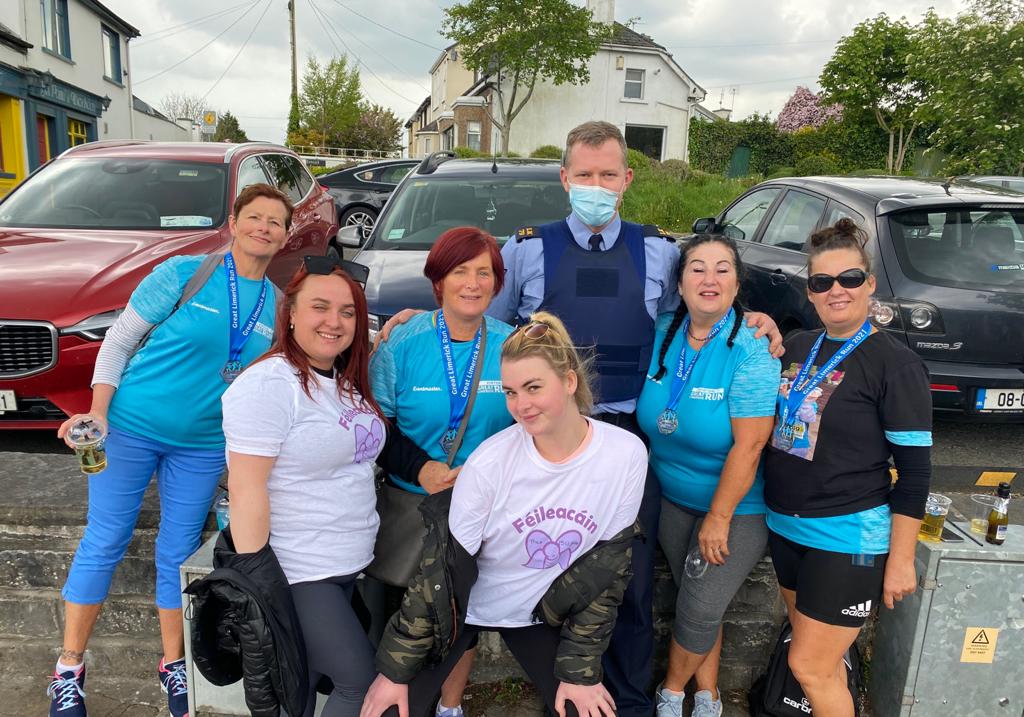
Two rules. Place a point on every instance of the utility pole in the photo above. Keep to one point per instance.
(295, 78)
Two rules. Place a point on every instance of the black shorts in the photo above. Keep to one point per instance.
(834, 588)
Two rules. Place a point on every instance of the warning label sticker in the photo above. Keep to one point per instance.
(979, 645)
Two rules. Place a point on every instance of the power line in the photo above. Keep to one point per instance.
(330, 25)
(189, 57)
(381, 55)
(385, 27)
(175, 29)
(246, 42)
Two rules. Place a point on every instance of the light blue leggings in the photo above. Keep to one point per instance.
(186, 479)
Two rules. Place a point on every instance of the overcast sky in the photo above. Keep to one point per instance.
(761, 50)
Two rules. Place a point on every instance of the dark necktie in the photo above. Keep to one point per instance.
(595, 242)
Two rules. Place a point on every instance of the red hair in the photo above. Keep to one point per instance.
(457, 246)
(351, 367)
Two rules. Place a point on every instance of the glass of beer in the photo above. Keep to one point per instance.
(934, 517)
(87, 439)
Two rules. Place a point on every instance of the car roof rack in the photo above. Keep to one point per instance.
(432, 161)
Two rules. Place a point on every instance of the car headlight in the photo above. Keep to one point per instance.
(95, 327)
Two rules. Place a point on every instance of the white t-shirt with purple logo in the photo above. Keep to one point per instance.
(323, 516)
(530, 519)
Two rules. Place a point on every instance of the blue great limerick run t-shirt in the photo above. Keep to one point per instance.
(171, 388)
(726, 383)
(408, 380)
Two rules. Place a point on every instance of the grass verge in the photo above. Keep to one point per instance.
(674, 204)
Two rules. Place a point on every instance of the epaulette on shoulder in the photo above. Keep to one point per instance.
(527, 233)
(653, 230)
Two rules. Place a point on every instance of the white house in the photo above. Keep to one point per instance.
(65, 80)
(634, 83)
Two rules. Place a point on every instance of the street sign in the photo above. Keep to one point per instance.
(209, 122)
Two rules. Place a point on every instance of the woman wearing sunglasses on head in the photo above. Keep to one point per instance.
(187, 332)
(303, 432)
(842, 535)
(707, 406)
(536, 544)
(438, 378)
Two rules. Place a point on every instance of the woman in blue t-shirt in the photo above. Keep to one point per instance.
(422, 377)
(707, 406)
(161, 402)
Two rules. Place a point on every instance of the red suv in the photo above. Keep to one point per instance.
(80, 233)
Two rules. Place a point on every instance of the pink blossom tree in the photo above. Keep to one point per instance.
(805, 109)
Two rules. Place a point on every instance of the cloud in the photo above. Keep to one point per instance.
(761, 50)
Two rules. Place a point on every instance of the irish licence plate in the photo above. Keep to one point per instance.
(1010, 400)
(7, 401)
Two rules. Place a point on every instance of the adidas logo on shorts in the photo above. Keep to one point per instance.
(862, 609)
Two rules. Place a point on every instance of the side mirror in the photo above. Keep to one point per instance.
(351, 235)
(703, 226)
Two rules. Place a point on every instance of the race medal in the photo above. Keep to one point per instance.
(668, 422)
(448, 440)
(784, 439)
(231, 371)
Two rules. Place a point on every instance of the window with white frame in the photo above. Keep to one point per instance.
(55, 26)
(111, 55)
(473, 130)
(634, 89)
(448, 138)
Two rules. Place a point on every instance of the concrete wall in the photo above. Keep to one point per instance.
(554, 110)
(149, 127)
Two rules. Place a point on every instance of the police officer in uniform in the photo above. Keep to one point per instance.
(607, 279)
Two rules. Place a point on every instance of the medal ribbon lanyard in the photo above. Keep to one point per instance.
(684, 369)
(239, 336)
(802, 385)
(458, 393)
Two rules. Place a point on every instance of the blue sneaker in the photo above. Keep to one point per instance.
(67, 694)
(174, 681)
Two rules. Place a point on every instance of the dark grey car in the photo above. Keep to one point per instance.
(949, 260)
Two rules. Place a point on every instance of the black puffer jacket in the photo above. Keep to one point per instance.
(244, 626)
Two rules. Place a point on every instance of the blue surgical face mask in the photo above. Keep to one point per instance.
(594, 205)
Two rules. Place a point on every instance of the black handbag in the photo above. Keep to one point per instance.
(397, 550)
(777, 693)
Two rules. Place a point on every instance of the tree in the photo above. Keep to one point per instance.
(805, 109)
(377, 128)
(178, 105)
(869, 73)
(329, 99)
(228, 130)
(520, 44)
(976, 105)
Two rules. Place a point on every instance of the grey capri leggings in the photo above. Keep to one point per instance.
(336, 644)
(701, 602)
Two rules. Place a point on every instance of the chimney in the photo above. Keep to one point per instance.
(603, 10)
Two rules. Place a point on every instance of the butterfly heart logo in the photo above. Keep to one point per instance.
(545, 552)
(368, 441)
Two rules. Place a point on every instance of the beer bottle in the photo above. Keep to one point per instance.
(998, 517)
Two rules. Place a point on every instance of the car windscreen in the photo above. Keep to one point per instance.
(425, 207)
(972, 248)
(90, 193)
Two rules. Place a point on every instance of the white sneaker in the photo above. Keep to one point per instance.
(704, 706)
(455, 711)
(669, 704)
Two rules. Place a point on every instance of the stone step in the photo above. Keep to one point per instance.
(40, 613)
(122, 657)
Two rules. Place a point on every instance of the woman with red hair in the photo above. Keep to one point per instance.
(303, 432)
(424, 375)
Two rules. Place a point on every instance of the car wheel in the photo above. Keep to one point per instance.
(360, 216)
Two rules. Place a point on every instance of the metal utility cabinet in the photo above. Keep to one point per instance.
(956, 646)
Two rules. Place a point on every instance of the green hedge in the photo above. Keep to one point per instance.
(546, 151)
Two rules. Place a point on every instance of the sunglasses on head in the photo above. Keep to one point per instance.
(849, 279)
(532, 330)
(324, 265)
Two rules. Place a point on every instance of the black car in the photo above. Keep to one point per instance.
(360, 192)
(948, 258)
(497, 196)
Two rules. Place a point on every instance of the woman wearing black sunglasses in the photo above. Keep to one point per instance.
(841, 534)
